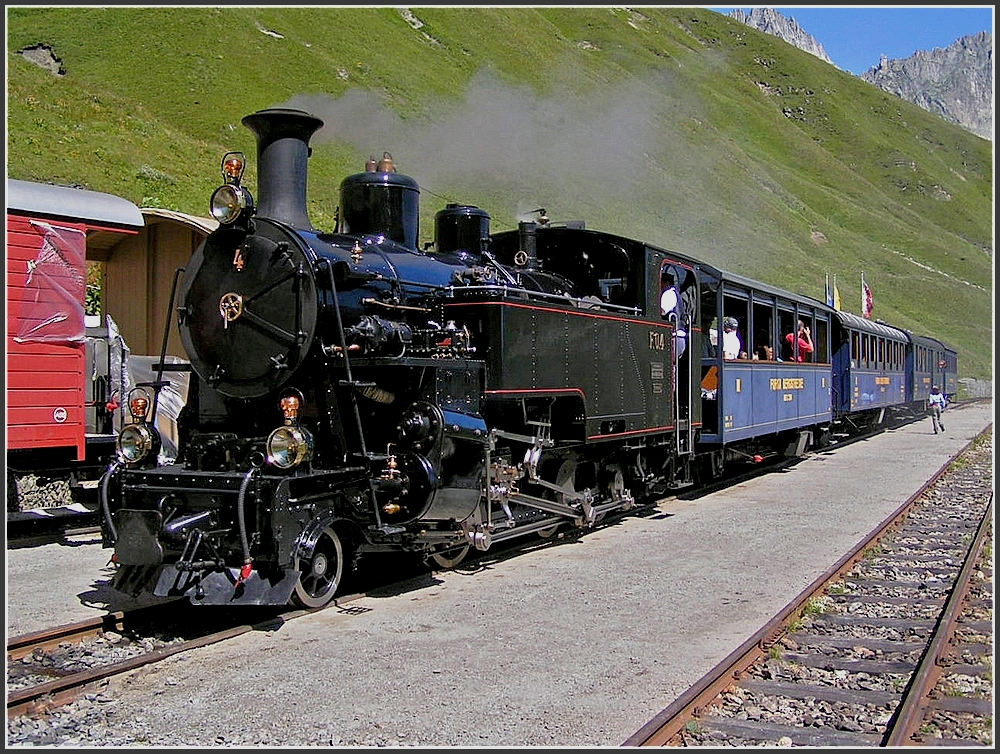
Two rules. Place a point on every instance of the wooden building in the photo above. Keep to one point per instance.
(140, 273)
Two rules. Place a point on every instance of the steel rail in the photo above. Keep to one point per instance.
(905, 724)
(667, 724)
(43, 697)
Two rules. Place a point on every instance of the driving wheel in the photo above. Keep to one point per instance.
(449, 557)
(320, 575)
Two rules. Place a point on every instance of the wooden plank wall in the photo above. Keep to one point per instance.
(139, 274)
(45, 381)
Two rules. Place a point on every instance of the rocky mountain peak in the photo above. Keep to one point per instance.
(955, 82)
(771, 22)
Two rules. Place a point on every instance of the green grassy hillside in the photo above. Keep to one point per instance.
(682, 127)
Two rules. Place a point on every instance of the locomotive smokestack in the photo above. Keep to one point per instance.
(282, 153)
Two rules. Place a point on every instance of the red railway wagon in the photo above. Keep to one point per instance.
(56, 422)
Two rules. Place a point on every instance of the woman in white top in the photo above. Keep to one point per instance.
(732, 345)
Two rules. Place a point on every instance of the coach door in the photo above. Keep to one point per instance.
(678, 297)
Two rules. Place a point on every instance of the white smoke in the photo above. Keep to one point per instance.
(507, 141)
(638, 158)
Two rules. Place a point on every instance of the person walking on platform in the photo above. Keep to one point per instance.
(936, 403)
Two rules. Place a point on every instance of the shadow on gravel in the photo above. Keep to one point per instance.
(103, 597)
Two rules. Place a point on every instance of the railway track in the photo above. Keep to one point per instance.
(54, 667)
(890, 647)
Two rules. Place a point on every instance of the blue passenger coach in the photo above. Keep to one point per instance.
(930, 362)
(869, 360)
(773, 392)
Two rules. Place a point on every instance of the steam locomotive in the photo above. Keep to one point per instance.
(352, 393)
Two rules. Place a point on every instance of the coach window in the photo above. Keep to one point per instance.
(786, 324)
(821, 341)
(809, 321)
(761, 345)
(737, 309)
(881, 352)
(855, 348)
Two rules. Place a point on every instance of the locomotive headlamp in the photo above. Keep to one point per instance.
(289, 446)
(233, 165)
(137, 442)
(140, 440)
(229, 202)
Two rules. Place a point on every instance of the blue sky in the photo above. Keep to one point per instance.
(854, 37)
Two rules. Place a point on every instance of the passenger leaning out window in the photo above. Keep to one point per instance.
(803, 338)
